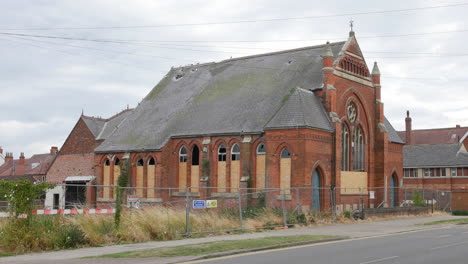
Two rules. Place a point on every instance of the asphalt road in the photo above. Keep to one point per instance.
(436, 246)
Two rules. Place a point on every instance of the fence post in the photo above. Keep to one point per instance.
(333, 202)
(285, 222)
(298, 202)
(240, 209)
(187, 211)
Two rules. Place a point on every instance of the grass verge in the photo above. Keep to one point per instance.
(454, 221)
(216, 247)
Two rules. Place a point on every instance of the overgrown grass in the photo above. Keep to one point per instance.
(140, 225)
(454, 221)
(215, 247)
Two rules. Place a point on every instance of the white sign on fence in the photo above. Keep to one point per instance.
(372, 195)
(133, 201)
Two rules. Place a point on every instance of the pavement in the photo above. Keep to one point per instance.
(355, 230)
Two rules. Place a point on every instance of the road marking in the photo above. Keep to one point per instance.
(444, 236)
(379, 260)
(451, 245)
(311, 245)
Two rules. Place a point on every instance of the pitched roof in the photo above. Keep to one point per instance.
(216, 98)
(71, 165)
(36, 165)
(436, 135)
(101, 127)
(302, 108)
(392, 134)
(437, 155)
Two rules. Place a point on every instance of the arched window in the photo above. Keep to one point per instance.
(285, 153)
(151, 162)
(359, 150)
(107, 163)
(261, 149)
(222, 153)
(140, 162)
(183, 154)
(235, 152)
(344, 147)
(195, 156)
(116, 162)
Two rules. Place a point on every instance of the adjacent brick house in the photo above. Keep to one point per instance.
(311, 116)
(437, 159)
(34, 167)
(74, 163)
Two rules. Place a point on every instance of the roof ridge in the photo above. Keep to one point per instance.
(439, 128)
(261, 55)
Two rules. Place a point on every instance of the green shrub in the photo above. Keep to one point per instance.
(70, 236)
(348, 214)
(418, 199)
(459, 212)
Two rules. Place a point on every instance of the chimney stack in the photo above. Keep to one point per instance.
(458, 126)
(8, 156)
(53, 150)
(21, 159)
(408, 128)
(1, 150)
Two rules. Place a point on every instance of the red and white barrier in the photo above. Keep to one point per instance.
(66, 212)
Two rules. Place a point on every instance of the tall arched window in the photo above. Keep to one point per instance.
(222, 153)
(106, 179)
(260, 166)
(195, 169)
(285, 170)
(182, 168)
(150, 176)
(139, 177)
(235, 152)
(344, 147)
(195, 156)
(221, 174)
(116, 162)
(183, 154)
(235, 168)
(359, 150)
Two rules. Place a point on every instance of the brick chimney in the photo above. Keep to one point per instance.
(8, 156)
(457, 126)
(53, 150)
(21, 159)
(408, 128)
(1, 150)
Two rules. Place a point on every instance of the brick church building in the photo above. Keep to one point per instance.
(310, 117)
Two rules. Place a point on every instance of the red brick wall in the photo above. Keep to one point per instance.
(80, 140)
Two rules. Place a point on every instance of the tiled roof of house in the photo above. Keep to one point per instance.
(36, 165)
(436, 155)
(436, 135)
(240, 95)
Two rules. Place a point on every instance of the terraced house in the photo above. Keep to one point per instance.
(310, 117)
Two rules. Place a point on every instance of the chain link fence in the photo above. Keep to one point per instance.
(246, 208)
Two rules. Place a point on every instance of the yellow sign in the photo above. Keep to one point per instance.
(211, 203)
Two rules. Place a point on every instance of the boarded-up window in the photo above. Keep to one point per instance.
(139, 177)
(285, 170)
(260, 167)
(344, 147)
(183, 154)
(222, 153)
(150, 193)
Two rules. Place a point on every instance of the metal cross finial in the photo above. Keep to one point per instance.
(351, 23)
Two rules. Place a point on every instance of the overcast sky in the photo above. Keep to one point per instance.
(45, 83)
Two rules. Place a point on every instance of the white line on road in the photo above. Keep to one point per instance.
(378, 260)
(444, 236)
(451, 245)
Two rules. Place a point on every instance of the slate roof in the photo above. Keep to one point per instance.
(392, 134)
(301, 109)
(71, 165)
(234, 96)
(103, 128)
(436, 155)
(436, 135)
